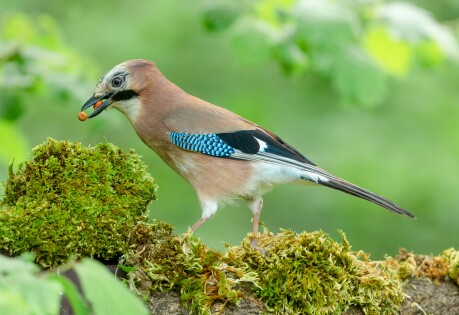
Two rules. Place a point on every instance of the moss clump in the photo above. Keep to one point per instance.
(409, 265)
(438, 268)
(166, 261)
(452, 256)
(309, 273)
(74, 201)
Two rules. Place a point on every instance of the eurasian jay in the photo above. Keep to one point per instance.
(222, 155)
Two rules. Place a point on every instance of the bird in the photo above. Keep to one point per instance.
(222, 155)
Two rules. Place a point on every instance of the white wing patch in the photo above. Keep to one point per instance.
(263, 145)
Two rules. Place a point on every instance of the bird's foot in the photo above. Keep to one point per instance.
(254, 245)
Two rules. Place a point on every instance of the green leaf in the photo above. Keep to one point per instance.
(292, 59)
(416, 25)
(273, 11)
(12, 304)
(14, 145)
(251, 41)
(106, 294)
(126, 268)
(41, 31)
(218, 17)
(326, 23)
(77, 302)
(358, 79)
(429, 54)
(23, 293)
(33, 55)
(11, 106)
(393, 55)
(16, 266)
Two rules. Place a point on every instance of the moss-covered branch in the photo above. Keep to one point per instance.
(72, 201)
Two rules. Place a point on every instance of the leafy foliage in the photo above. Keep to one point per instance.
(74, 201)
(355, 45)
(34, 58)
(22, 292)
(25, 290)
(36, 66)
(114, 298)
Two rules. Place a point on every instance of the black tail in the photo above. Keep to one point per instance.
(342, 185)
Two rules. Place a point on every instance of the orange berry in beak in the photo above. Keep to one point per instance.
(97, 104)
(82, 116)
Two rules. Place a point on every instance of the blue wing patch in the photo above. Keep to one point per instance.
(242, 141)
(209, 144)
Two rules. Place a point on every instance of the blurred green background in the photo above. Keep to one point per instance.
(383, 113)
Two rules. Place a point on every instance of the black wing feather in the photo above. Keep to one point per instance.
(242, 140)
(246, 142)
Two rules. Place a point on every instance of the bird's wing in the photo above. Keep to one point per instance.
(205, 128)
(251, 145)
(256, 144)
(261, 145)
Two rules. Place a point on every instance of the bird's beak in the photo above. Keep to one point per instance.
(107, 101)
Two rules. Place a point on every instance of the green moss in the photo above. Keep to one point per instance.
(310, 273)
(452, 257)
(307, 273)
(439, 268)
(166, 261)
(407, 265)
(74, 201)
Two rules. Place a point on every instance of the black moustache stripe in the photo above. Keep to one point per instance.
(124, 95)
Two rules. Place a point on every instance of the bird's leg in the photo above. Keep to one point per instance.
(256, 218)
(255, 205)
(198, 224)
(209, 208)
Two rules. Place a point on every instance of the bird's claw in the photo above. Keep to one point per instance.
(254, 245)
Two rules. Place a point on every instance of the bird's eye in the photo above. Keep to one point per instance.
(117, 81)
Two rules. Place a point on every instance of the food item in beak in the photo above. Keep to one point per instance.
(82, 116)
(97, 104)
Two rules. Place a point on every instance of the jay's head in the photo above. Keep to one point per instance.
(121, 87)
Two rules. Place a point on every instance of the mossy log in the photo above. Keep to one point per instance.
(424, 295)
(72, 201)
